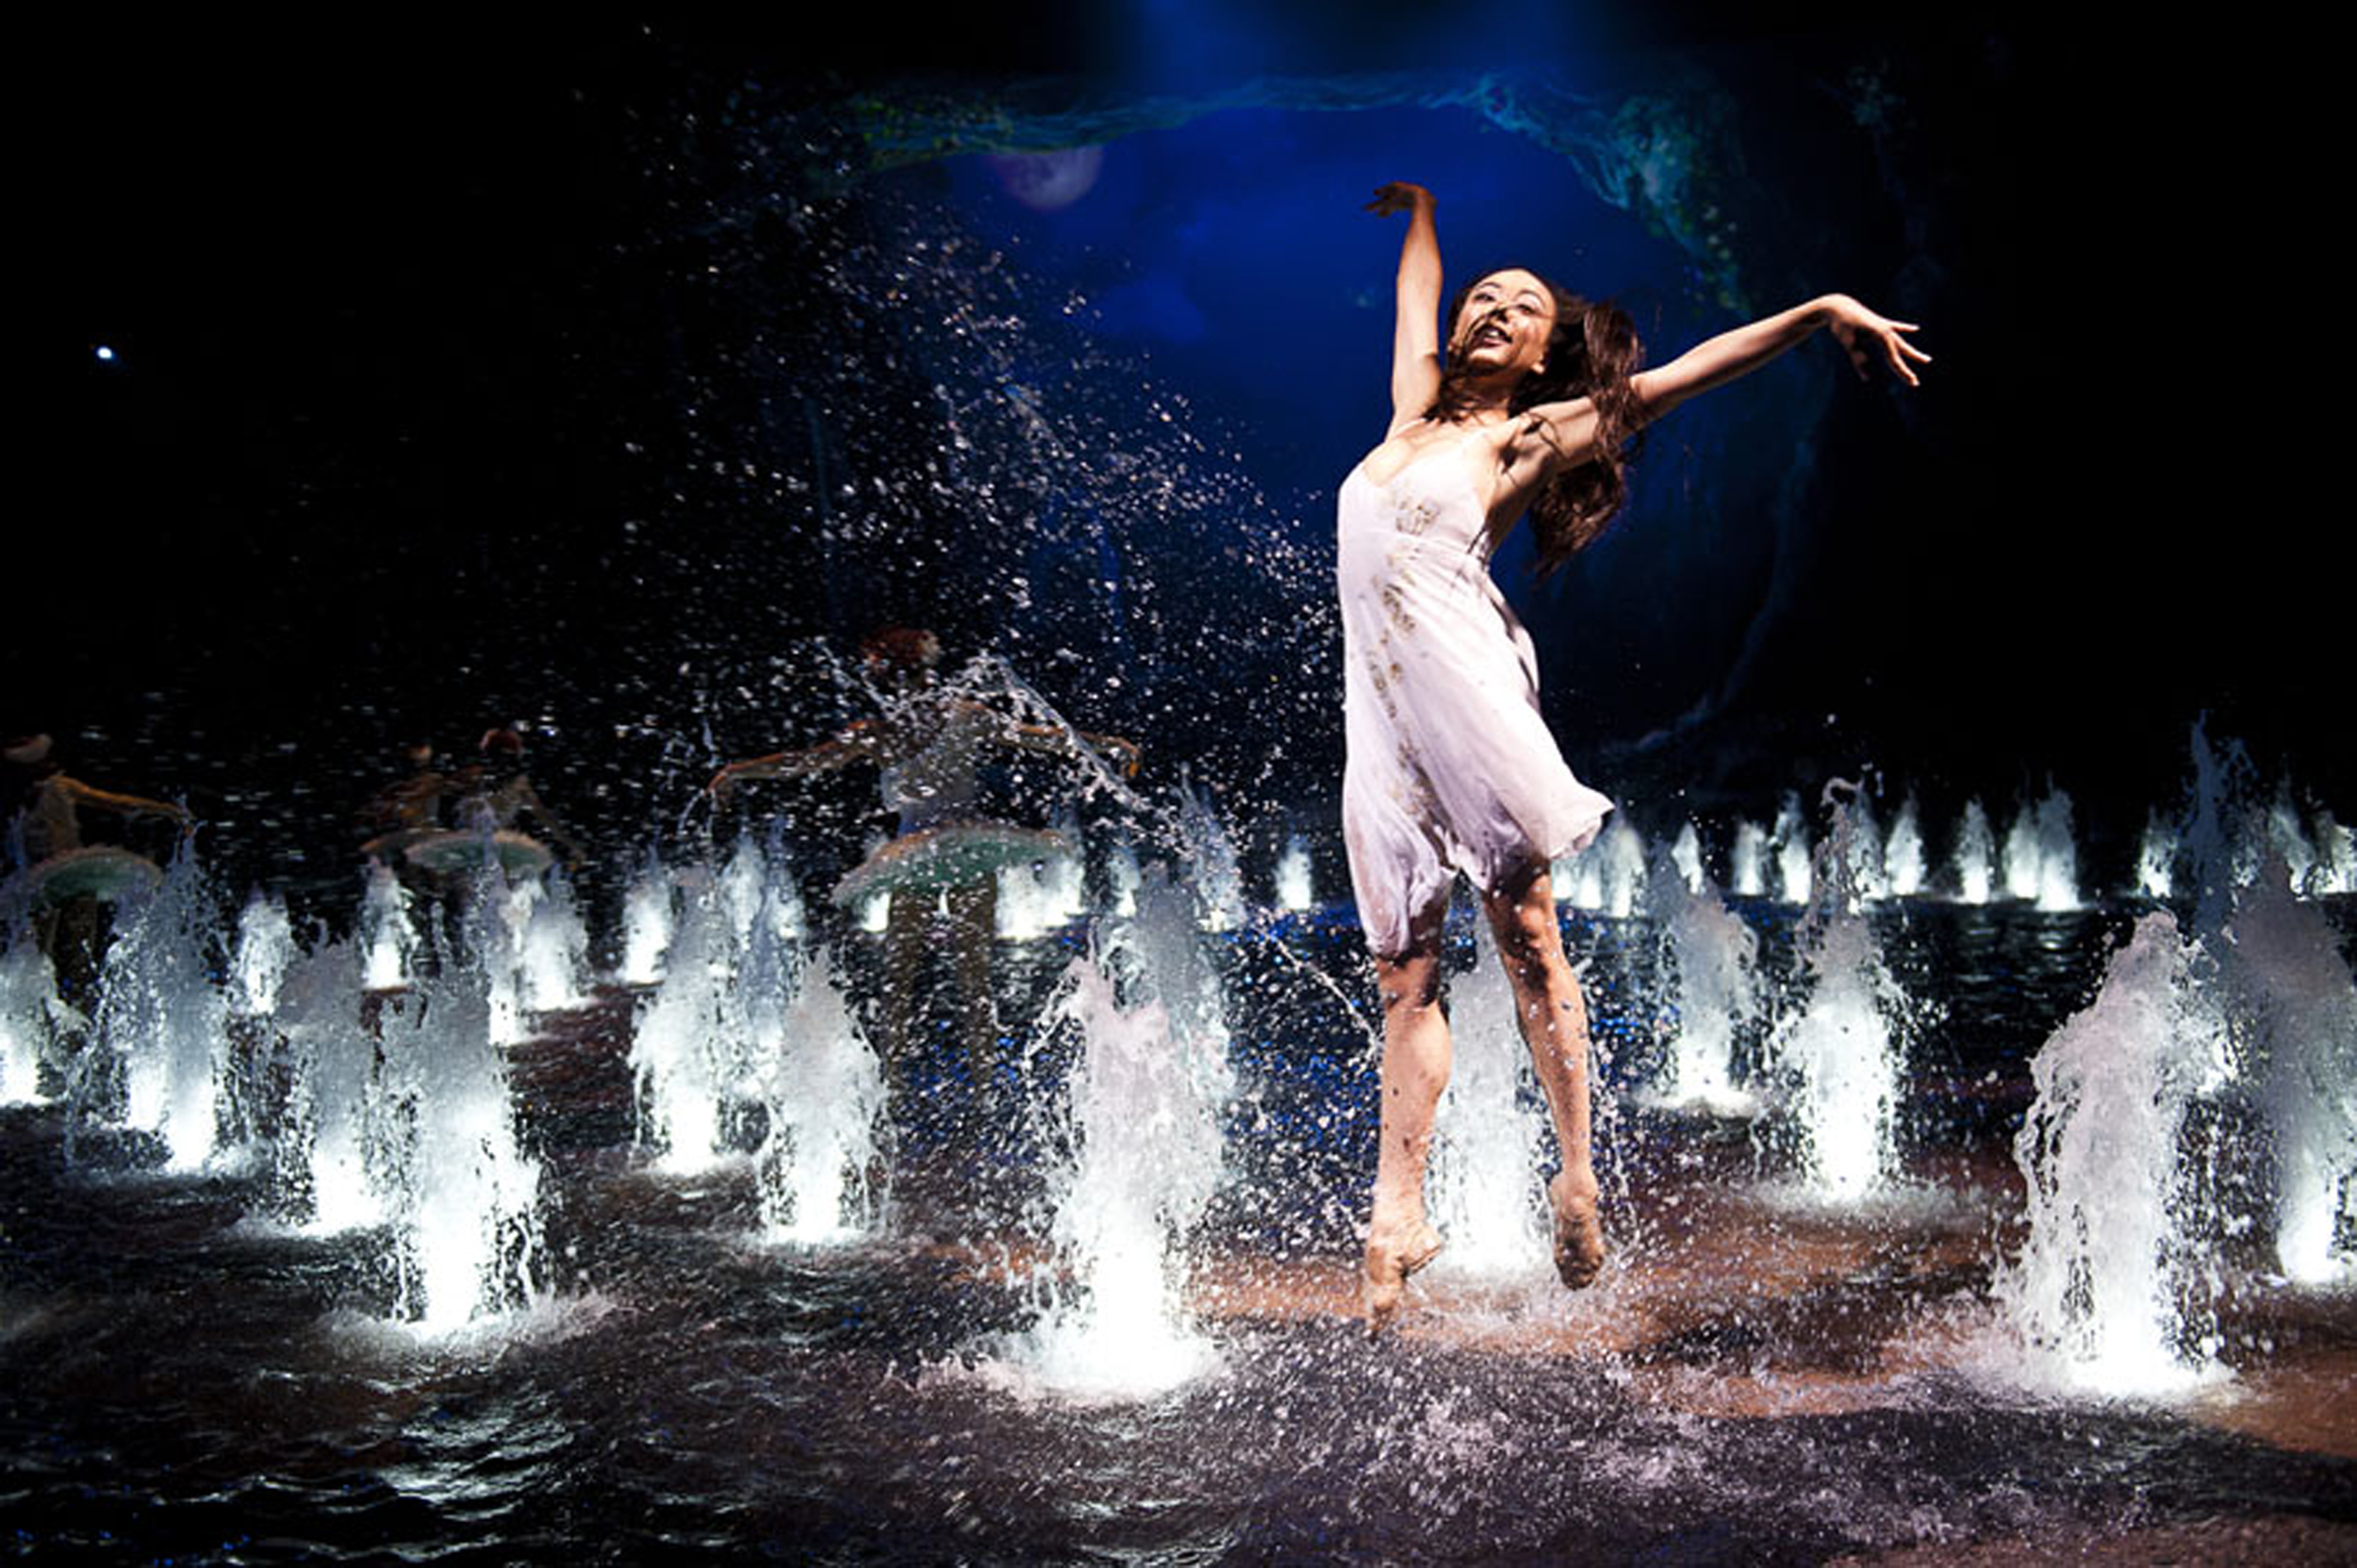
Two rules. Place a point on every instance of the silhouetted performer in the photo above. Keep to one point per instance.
(60, 881)
(929, 745)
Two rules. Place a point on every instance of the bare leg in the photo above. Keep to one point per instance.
(973, 926)
(1415, 1069)
(1553, 1019)
(905, 927)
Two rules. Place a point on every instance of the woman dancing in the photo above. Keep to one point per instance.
(931, 744)
(1450, 765)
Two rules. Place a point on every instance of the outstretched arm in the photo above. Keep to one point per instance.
(1416, 302)
(1054, 741)
(126, 805)
(1559, 435)
(1869, 338)
(1037, 737)
(856, 744)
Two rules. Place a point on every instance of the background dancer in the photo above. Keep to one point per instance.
(931, 744)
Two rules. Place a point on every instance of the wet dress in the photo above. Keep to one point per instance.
(945, 840)
(1451, 767)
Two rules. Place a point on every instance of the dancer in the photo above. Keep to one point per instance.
(407, 809)
(930, 745)
(494, 800)
(1450, 765)
(58, 880)
(498, 797)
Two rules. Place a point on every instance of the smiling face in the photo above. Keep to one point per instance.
(1504, 322)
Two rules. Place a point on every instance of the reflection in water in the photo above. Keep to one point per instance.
(1105, 1302)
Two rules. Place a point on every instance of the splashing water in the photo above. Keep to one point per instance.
(1124, 878)
(1686, 854)
(1140, 1128)
(2223, 782)
(1292, 875)
(31, 1014)
(385, 932)
(1623, 855)
(252, 1056)
(1609, 875)
(1715, 957)
(163, 1020)
(1902, 856)
(2286, 838)
(265, 945)
(766, 933)
(2041, 860)
(826, 1101)
(334, 1177)
(2336, 858)
(679, 1050)
(1212, 854)
(2111, 1293)
(1038, 898)
(1839, 1051)
(1791, 841)
(1489, 1138)
(1975, 855)
(647, 914)
(1578, 879)
(465, 1199)
(2303, 1003)
(2157, 851)
(733, 967)
(1867, 879)
(1751, 854)
(541, 947)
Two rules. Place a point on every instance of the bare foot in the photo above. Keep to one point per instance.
(1390, 1259)
(1578, 1234)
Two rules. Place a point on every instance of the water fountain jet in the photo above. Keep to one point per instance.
(162, 1022)
(463, 1198)
(1839, 1051)
(821, 1168)
(1141, 1132)
(1718, 996)
(1489, 1137)
(2111, 1291)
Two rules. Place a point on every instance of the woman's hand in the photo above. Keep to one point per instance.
(1867, 337)
(1400, 196)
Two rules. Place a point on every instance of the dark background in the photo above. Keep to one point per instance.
(611, 379)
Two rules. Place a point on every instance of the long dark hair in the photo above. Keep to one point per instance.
(1591, 351)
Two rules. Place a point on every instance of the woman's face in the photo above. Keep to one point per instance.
(1504, 323)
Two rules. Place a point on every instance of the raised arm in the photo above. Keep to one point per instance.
(1416, 302)
(1559, 434)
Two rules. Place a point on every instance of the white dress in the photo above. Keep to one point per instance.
(1451, 767)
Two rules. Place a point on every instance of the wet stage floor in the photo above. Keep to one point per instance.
(1749, 1381)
